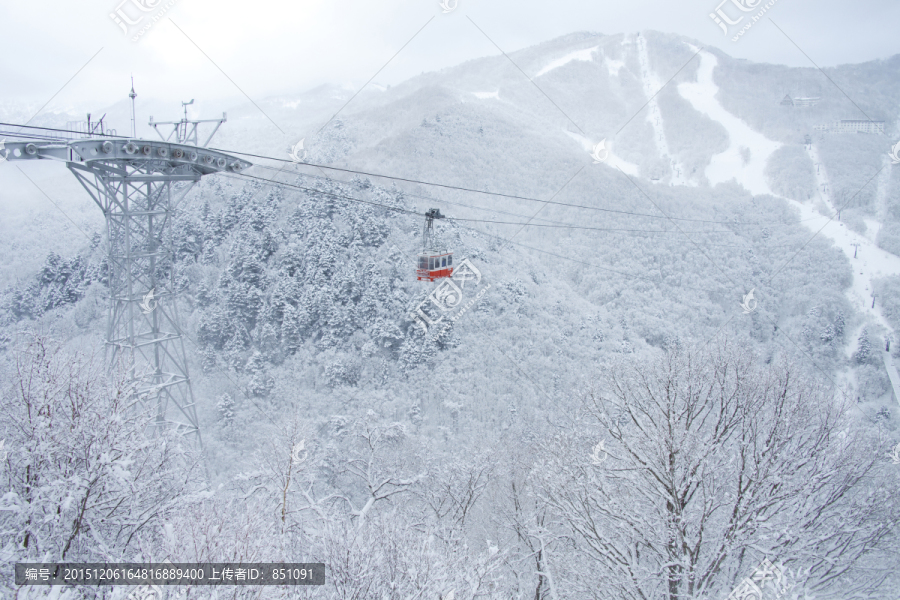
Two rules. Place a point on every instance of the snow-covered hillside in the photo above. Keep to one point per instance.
(745, 161)
(521, 433)
(748, 151)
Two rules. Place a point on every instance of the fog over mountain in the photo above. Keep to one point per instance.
(666, 364)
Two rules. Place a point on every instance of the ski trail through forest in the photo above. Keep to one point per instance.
(870, 262)
(651, 87)
(748, 152)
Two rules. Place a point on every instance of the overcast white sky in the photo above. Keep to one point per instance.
(269, 47)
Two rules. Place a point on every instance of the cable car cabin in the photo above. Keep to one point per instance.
(434, 264)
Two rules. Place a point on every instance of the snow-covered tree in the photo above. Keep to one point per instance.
(864, 347)
(225, 408)
(713, 463)
(82, 480)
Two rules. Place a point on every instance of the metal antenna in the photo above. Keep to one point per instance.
(185, 105)
(138, 185)
(88, 128)
(132, 95)
(185, 131)
(97, 127)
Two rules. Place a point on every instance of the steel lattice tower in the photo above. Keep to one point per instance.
(139, 186)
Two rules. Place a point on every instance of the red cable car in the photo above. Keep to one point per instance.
(433, 263)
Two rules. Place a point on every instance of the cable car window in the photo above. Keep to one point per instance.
(443, 262)
(423, 262)
(431, 264)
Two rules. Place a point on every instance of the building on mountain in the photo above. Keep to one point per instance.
(859, 126)
(803, 102)
(853, 126)
(800, 102)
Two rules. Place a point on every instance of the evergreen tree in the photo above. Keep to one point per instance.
(225, 408)
(839, 324)
(864, 347)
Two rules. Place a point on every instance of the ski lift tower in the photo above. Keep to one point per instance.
(185, 131)
(139, 185)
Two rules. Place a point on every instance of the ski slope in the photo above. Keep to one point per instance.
(870, 263)
(651, 87)
(585, 55)
(613, 66)
(612, 160)
(748, 152)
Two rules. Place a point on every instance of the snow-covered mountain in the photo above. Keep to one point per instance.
(301, 298)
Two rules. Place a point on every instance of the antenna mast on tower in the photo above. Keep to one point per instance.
(185, 131)
(132, 95)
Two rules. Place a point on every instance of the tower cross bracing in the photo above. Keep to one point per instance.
(140, 185)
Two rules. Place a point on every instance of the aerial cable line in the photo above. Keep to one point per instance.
(559, 223)
(758, 223)
(430, 199)
(479, 232)
(69, 131)
(500, 194)
(351, 199)
(420, 196)
(313, 190)
(246, 176)
(592, 265)
(442, 185)
(31, 136)
(587, 228)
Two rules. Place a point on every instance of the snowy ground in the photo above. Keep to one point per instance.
(613, 160)
(881, 196)
(586, 55)
(651, 87)
(614, 66)
(748, 152)
(870, 263)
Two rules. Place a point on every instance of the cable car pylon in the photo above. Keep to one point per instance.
(435, 262)
(139, 185)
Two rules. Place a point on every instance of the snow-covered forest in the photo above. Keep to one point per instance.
(674, 371)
